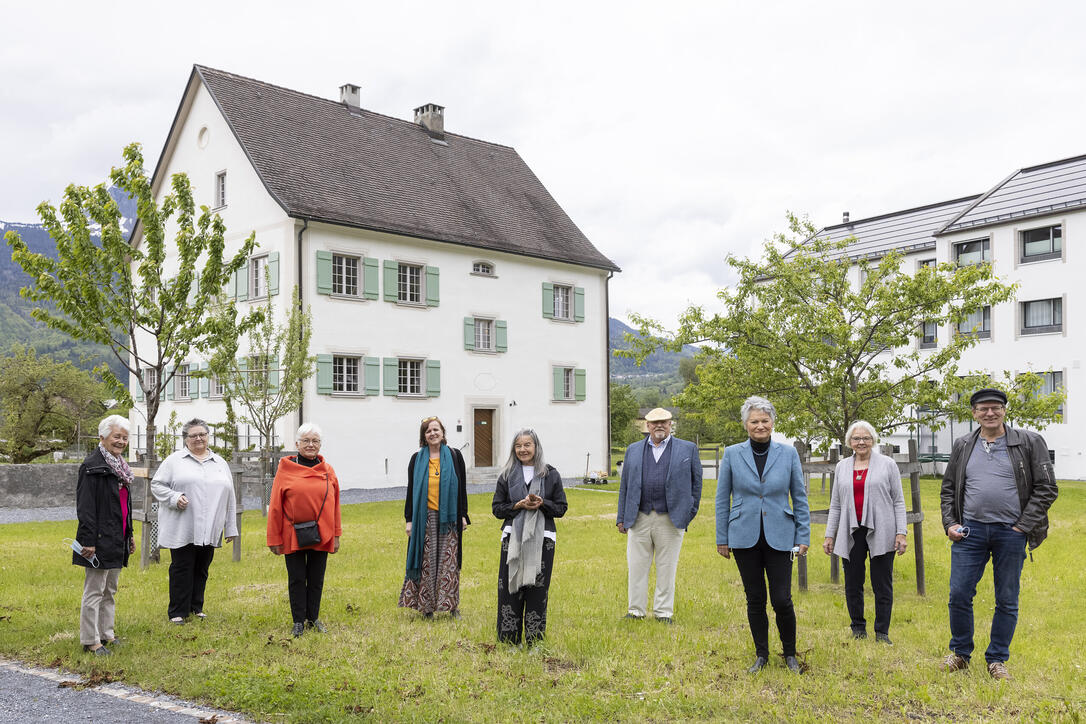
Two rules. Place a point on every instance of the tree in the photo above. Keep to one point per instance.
(267, 382)
(102, 289)
(44, 404)
(827, 350)
(623, 414)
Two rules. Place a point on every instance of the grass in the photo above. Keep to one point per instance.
(381, 663)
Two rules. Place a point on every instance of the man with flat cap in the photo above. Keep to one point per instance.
(658, 497)
(997, 488)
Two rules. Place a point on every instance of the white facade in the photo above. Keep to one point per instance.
(370, 424)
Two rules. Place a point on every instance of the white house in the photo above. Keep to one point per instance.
(442, 276)
(1025, 226)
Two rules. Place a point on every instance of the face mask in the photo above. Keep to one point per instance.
(78, 548)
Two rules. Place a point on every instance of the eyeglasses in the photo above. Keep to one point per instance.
(863, 439)
(653, 423)
(988, 408)
(196, 435)
(310, 441)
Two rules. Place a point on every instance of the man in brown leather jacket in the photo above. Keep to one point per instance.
(997, 488)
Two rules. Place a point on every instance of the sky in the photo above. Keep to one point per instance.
(673, 134)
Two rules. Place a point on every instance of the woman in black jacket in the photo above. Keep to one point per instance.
(103, 506)
(527, 498)
(436, 513)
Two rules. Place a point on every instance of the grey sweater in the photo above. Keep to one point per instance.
(884, 506)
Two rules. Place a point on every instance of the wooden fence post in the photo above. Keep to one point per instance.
(918, 518)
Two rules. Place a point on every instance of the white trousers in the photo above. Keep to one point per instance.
(96, 614)
(653, 534)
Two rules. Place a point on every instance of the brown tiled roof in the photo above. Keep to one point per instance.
(324, 161)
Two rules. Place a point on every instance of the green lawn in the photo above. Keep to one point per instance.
(384, 664)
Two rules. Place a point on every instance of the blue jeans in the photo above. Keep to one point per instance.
(968, 557)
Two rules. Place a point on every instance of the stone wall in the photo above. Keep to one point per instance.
(38, 486)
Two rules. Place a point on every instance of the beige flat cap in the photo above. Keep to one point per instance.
(658, 414)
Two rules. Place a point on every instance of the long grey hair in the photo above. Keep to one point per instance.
(513, 463)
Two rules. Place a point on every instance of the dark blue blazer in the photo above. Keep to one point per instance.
(746, 504)
(683, 486)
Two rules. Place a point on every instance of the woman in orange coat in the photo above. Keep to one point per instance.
(305, 490)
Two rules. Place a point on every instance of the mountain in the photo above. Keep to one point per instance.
(657, 363)
(16, 323)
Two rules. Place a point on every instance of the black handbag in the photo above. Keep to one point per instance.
(307, 533)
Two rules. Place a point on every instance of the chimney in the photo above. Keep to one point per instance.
(844, 218)
(350, 94)
(432, 117)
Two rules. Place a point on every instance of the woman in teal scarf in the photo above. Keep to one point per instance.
(436, 513)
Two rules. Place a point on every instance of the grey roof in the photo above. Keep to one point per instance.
(907, 231)
(1032, 191)
(322, 160)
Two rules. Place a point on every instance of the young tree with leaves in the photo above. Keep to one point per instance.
(827, 350)
(146, 301)
(267, 381)
(44, 404)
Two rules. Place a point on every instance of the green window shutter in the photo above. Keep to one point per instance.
(548, 300)
(369, 278)
(232, 286)
(373, 375)
(243, 371)
(172, 381)
(273, 374)
(433, 378)
(578, 304)
(432, 286)
(469, 332)
(194, 287)
(392, 375)
(502, 335)
(557, 383)
(205, 382)
(139, 391)
(273, 273)
(241, 283)
(324, 373)
(324, 273)
(391, 281)
(578, 384)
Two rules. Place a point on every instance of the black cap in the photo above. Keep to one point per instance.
(988, 394)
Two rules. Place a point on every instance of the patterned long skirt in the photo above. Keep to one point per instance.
(524, 613)
(438, 588)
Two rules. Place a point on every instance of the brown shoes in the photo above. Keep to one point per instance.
(998, 670)
(953, 662)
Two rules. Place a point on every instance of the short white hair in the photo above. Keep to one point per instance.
(111, 422)
(861, 425)
(306, 428)
(757, 403)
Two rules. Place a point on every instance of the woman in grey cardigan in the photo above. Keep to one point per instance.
(195, 494)
(867, 518)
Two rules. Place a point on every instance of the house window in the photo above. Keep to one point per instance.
(1053, 382)
(258, 279)
(968, 253)
(924, 263)
(220, 189)
(562, 306)
(484, 268)
(979, 323)
(345, 375)
(184, 383)
(1042, 244)
(484, 334)
(150, 376)
(409, 284)
(567, 383)
(257, 372)
(1042, 316)
(409, 376)
(345, 275)
(929, 335)
(217, 387)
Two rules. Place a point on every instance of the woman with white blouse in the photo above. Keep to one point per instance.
(196, 505)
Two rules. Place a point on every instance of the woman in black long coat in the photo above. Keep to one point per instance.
(103, 506)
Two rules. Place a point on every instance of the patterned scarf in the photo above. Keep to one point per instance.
(525, 555)
(117, 465)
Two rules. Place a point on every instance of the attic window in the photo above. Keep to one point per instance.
(220, 189)
(482, 268)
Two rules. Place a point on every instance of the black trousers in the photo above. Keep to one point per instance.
(305, 583)
(526, 610)
(756, 565)
(188, 579)
(882, 583)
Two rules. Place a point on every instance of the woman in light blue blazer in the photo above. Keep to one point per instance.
(762, 517)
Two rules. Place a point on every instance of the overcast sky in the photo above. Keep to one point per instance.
(672, 133)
